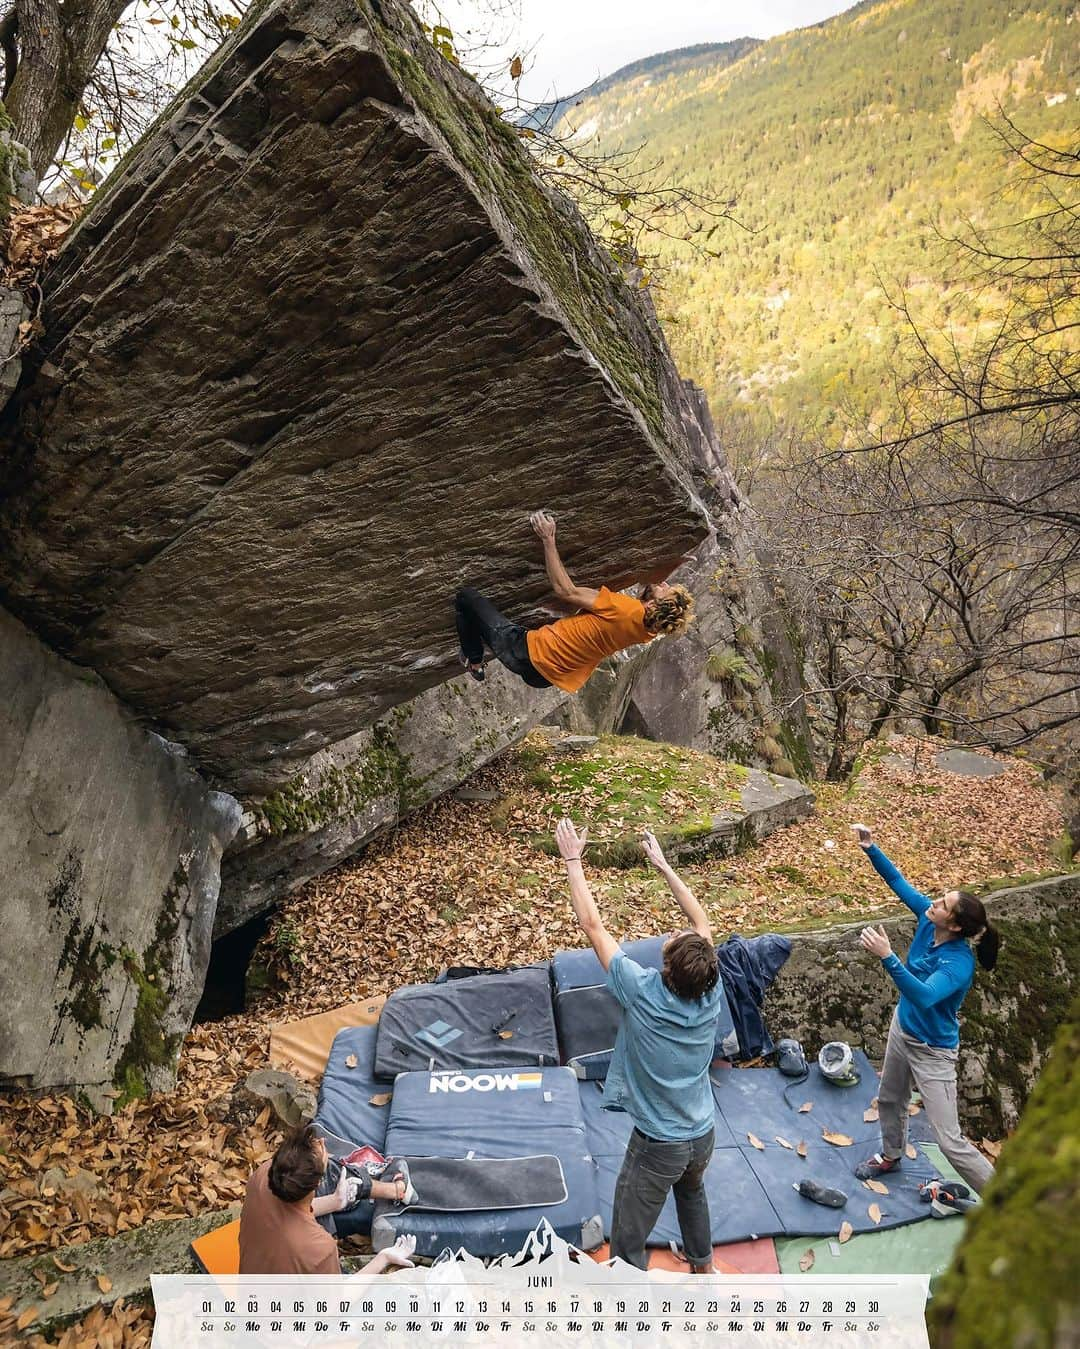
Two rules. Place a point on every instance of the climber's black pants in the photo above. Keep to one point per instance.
(479, 623)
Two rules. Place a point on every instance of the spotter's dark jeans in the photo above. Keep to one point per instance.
(650, 1169)
(480, 623)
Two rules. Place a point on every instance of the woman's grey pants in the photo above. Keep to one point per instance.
(650, 1170)
(933, 1072)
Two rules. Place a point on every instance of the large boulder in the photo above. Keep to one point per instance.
(111, 848)
(312, 355)
(830, 989)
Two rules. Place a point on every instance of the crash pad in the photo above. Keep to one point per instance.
(471, 1023)
(609, 1129)
(916, 1248)
(501, 1112)
(218, 1252)
(346, 1116)
(764, 1102)
(304, 1046)
(733, 1257)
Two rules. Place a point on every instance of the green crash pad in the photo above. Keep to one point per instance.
(916, 1248)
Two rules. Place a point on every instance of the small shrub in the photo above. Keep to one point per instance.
(771, 749)
(728, 665)
(783, 768)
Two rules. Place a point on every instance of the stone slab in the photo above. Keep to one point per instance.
(127, 1260)
(348, 794)
(969, 765)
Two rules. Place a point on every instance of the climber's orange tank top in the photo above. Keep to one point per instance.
(567, 651)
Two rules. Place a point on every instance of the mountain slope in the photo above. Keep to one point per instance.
(703, 56)
(843, 142)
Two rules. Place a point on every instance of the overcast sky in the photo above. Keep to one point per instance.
(574, 42)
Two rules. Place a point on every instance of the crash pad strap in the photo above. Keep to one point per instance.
(468, 1184)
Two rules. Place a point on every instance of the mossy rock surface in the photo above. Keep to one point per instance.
(1014, 1280)
(619, 787)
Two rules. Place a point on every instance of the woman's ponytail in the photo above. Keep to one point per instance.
(970, 917)
(986, 947)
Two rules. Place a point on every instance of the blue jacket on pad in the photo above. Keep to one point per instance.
(934, 979)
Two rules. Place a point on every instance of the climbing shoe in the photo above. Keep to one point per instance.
(474, 669)
(876, 1166)
(402, 1173)
(821, 1194)
(946, 1197)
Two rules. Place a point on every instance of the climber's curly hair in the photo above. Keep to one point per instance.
(672, 614)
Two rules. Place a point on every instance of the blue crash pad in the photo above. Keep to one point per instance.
(345, 1114)
(752, 1100)
(587, 1016)
(469, 1023)
(779, 1171)
(738, 1206)
(608, 1130)
(752, 1194)
(499, 1113)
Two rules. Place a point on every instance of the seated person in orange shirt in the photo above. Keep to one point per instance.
(279, 1228)
(566, 652)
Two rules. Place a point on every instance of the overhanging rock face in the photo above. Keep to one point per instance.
(310, 360)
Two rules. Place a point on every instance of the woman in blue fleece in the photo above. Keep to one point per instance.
(925, 1033)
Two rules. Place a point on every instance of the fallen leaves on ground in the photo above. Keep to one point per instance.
(875, 1213)
(877, 1186)
(806, 1105)
(381, 1098)
(32, 238)
(870, 1116)
(783, 1142)
(911, 1151)
(483, 895)
(806, 1260)
(837, 1140)
(756, 1142)
(845, 1232)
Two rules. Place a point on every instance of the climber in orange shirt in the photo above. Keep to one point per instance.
(566, 652)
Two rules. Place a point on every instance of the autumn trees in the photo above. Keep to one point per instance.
(937, 570)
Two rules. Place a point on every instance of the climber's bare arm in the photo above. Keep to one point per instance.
(578, 597)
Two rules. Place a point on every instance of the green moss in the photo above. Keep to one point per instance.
(150, 1045)
(796, 750)
(1013, 1278)
(338, 792)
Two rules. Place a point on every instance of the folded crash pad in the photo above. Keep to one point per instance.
(345, 1116)
(502, 1112)
(588, 1017)
(486, 1019)
(304, 1046)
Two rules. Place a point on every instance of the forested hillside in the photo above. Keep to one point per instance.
(845, 143)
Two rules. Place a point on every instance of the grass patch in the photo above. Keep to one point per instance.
(619, 787)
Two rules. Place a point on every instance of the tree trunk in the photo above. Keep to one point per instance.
(59, 47)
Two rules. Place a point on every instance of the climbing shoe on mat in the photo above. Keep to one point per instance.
(876, 1166)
